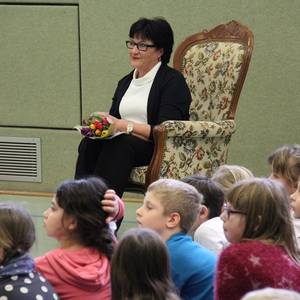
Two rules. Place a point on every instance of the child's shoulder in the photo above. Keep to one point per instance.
(26, 286)
(252, 246)
(182, 245)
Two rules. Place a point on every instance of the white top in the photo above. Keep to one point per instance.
(210, 235)
(133, 106)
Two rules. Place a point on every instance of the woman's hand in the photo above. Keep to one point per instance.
(141, 131)
(119, 124)
(102, 114)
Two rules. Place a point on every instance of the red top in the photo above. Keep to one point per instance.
(253, 265)
(77, 274)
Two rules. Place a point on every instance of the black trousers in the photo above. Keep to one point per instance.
(112, 159)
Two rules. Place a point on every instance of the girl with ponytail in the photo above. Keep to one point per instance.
(80, 267)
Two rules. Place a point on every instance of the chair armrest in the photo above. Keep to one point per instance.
(198, 129)
(170, 132)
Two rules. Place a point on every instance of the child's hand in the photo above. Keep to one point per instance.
(110, 205)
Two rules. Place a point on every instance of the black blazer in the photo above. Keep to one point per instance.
(169, 97)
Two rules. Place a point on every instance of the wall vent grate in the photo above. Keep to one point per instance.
(20, 159)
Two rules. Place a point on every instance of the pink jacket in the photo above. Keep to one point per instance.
(77, 274)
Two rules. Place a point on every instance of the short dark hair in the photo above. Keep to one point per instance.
(17, 232)
(213, 196)
(159, 31)
(82, 198)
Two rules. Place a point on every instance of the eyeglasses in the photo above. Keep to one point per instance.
(227, 211)
(140, 46)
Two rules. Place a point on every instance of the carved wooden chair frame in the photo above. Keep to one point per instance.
(230, 32)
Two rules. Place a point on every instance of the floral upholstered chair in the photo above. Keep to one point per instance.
(214, 64)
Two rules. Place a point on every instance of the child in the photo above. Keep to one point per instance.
(209, 226)
(285, 162)
(227, 175)
(257, 222)
(295, 204)
(18, 279)
(140, 268)
(272, 294)
(170, 208)
(80, 268)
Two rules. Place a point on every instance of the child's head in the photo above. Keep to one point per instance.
(258, 209)
(285, 162)
(227, 175)
(272, 294)
(140, 267)
(76, 213)
(169, 206)
(213, 196)
(17, 233)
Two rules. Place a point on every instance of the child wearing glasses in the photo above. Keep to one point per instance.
(170, 208)
(257, 223)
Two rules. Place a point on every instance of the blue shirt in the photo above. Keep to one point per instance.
(193, 267)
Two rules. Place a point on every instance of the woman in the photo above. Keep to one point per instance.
(257, 223)
(151, 94)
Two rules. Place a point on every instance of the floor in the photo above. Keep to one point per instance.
(37, 204)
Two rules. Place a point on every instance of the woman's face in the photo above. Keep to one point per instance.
(144, 61)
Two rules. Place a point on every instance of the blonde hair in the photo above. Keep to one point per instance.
(268, 217)
(180, 197)
(286, 162)
(227, 175)
(272, 294)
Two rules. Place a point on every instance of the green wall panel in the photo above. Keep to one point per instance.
(39, 62)
(267, 114)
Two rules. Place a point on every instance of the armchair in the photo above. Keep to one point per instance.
(214, 64)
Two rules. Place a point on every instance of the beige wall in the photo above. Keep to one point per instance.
(49, 95)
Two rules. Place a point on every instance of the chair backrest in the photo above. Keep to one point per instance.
(214, 64)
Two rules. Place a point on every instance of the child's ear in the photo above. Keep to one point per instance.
(72, 223)
(204, 212)
(202, 216)
(173, 220)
